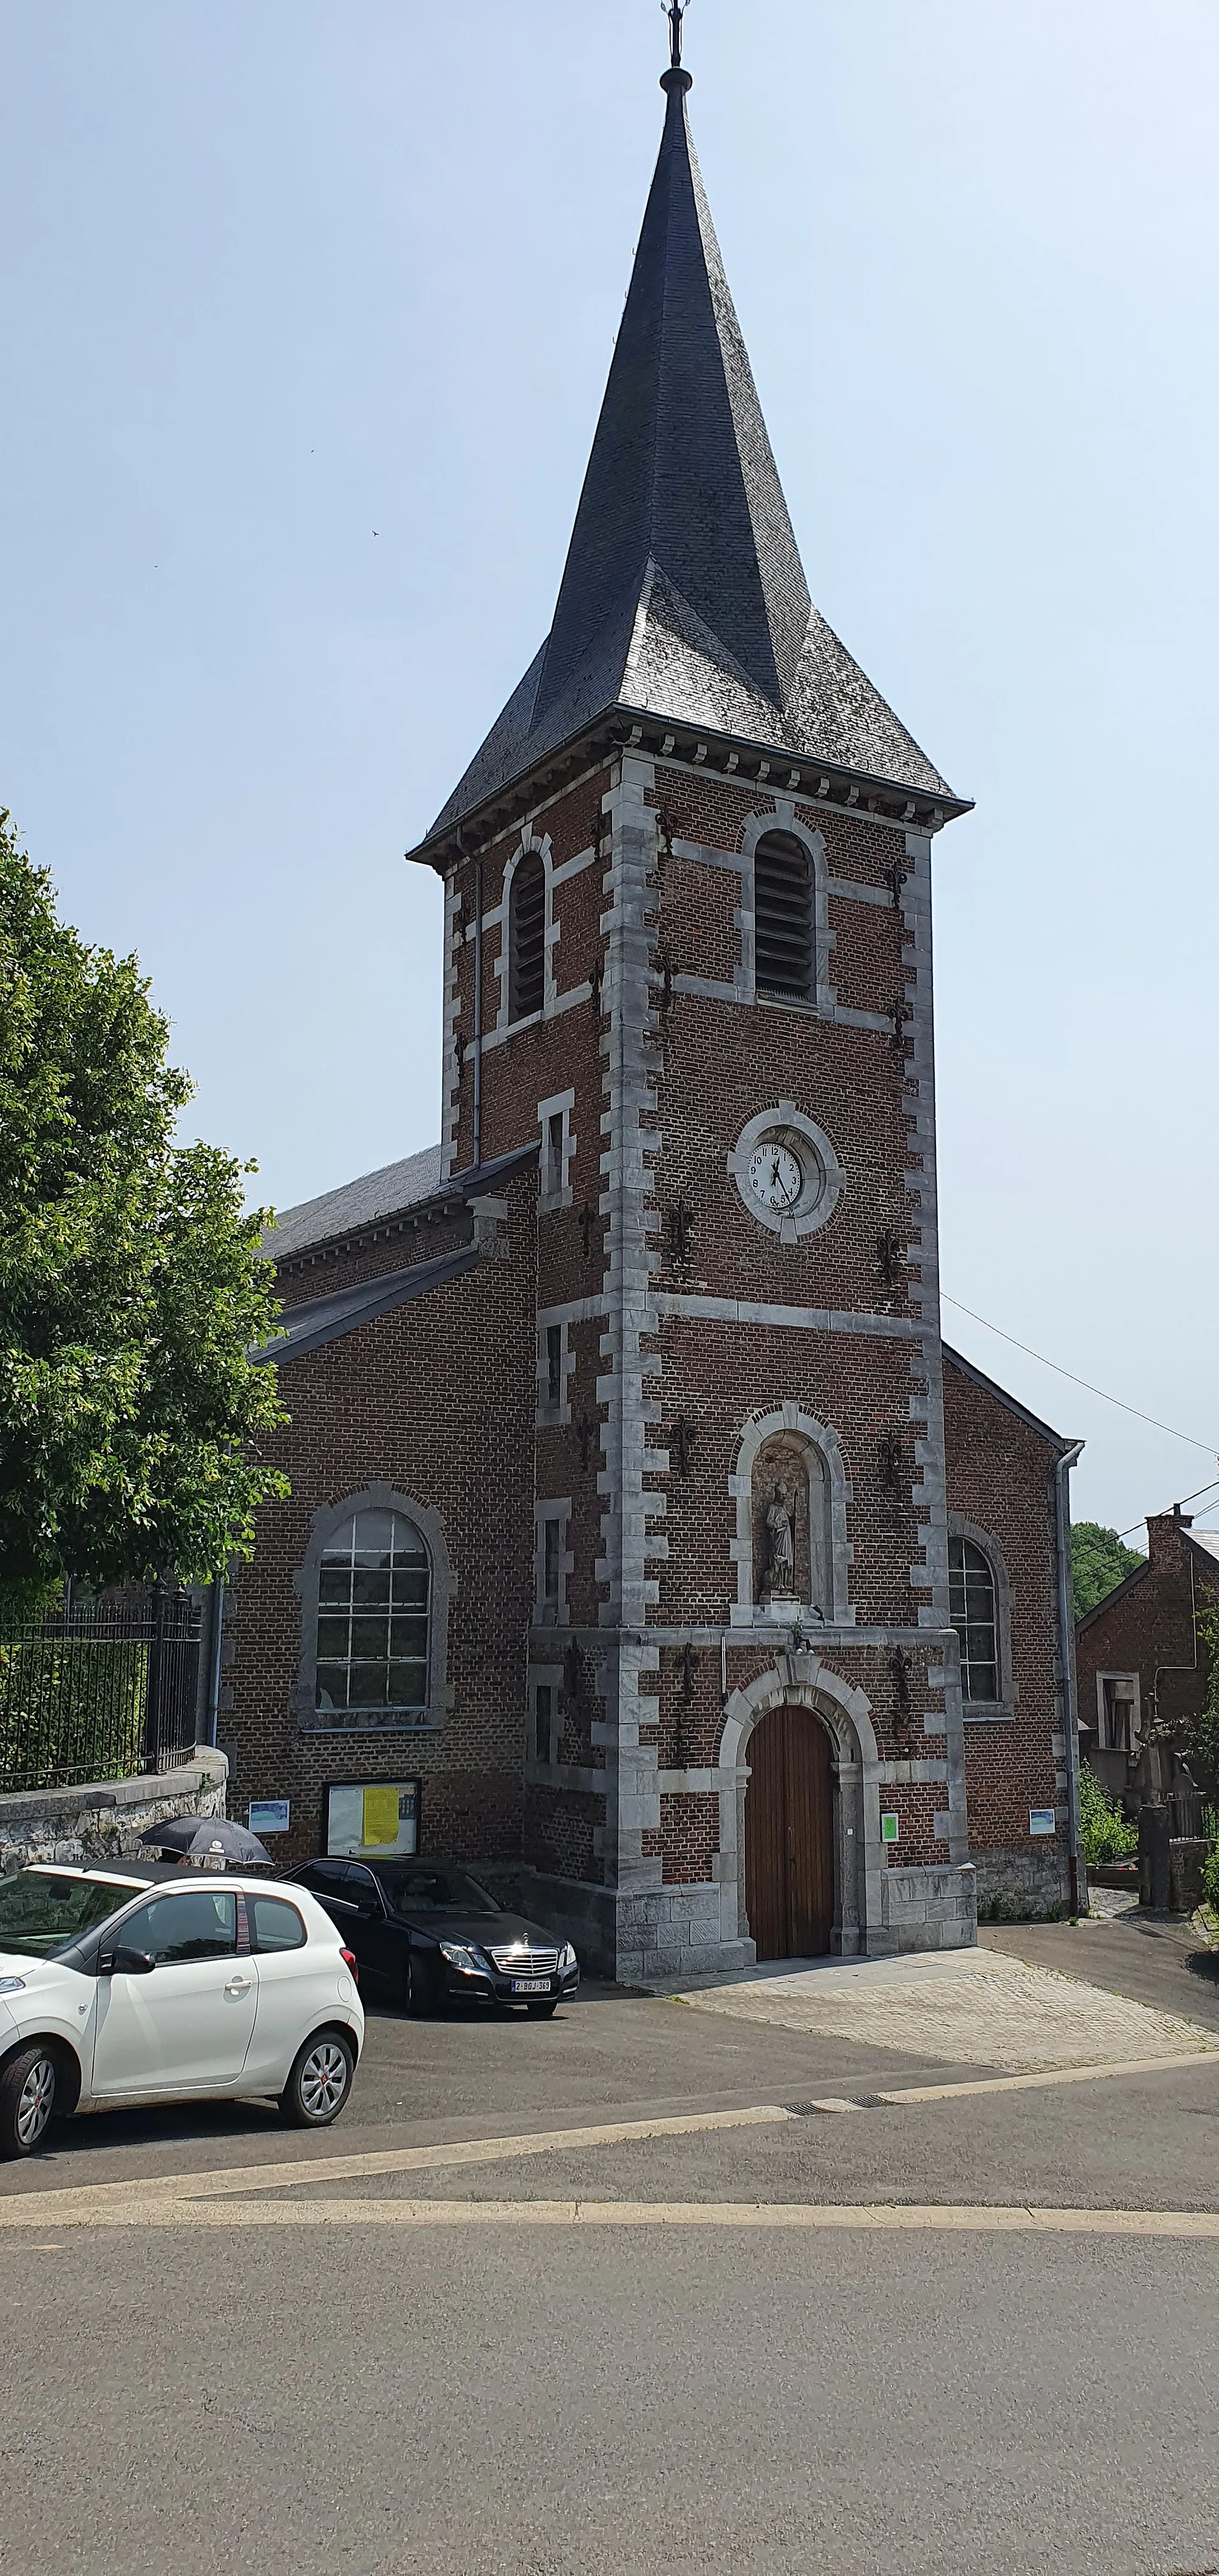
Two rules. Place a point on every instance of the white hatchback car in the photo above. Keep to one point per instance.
(145, 1983)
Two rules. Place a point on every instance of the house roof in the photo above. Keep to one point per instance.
(683, 596)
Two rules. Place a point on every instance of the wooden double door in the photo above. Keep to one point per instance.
(789, 1836)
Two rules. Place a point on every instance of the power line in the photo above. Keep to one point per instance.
(1207, 1448)
(1185, 1498)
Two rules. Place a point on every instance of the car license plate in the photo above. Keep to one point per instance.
(531, 1985)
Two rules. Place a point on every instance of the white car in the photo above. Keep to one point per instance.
(145, 1983)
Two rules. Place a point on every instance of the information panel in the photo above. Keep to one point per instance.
(379, 1816)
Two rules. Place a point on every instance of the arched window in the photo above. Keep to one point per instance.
(374, 1599)
(784, 940)
(527, 937)
(972, 1610)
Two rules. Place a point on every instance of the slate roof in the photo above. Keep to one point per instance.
(355, 1204)
(683, 594)
(319, 1320)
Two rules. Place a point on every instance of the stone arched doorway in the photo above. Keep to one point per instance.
(789, 1836)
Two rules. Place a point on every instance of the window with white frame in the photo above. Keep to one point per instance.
(973, 1610)
(374, 1603)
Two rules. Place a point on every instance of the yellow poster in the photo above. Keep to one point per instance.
(380, 1817)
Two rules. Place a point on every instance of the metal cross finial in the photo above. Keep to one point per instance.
(674, 11)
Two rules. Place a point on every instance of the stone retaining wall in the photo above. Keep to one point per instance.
(926, 1909)
(102, 1820)
(1013, 1885)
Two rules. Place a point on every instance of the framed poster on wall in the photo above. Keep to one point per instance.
(372, 1816)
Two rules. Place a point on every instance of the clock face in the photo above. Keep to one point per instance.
(776, 1176)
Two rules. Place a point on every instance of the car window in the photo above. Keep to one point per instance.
(275, 1924)
(436, 1891)
(362, 1888)
(199, 1924)
(40, 1914)
(321, 1874)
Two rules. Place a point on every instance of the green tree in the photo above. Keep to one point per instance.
(131, 1285)
(1099, 1562)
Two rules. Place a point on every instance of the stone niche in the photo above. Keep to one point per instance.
(790, 1520)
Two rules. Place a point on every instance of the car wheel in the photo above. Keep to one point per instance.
(27, 2100)
(319, 2083)
(542, 2012)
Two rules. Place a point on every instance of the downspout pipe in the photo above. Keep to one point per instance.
(1066, 1636)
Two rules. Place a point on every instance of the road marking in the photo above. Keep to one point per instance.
(43, 2208)
(885, 2218)
(1007, 2083)
(50, 2208)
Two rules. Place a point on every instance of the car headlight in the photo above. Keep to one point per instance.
(463, 1955)
(567, 1959)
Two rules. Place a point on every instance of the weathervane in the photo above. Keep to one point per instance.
(674, 11)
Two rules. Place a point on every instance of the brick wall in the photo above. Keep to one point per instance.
(436, 1401)
(1001, 1488)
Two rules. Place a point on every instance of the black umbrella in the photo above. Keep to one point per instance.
(196, 1836)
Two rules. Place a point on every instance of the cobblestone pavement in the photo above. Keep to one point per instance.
(972, 2008)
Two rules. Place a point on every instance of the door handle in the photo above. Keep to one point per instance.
(238, 1985)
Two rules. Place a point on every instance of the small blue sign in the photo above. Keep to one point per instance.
(270, 1815)
(1041, 1820)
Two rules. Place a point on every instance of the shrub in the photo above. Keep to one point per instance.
(1107, 1833)
(70, 1707)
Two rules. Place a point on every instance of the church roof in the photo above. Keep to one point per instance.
(683, 596)
(355, 1204)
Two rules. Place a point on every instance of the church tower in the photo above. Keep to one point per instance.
(688, 950)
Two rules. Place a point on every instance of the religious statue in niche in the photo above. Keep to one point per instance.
(779, 1579)
(790, 1522)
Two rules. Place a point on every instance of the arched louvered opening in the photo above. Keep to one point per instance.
(527, 938)
(784, 942)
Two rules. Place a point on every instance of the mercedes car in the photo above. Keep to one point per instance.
(428, 1933)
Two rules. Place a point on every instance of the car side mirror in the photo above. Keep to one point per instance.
(125, 1963)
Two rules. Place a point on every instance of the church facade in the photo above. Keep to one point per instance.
(646, 1546)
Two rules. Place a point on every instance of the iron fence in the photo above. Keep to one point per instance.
(102, 1696)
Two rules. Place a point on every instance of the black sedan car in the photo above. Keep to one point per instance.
(426, 1932)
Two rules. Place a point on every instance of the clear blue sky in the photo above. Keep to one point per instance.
(307, 310)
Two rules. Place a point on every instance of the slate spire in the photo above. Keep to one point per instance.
(681, 475)
(683, 595)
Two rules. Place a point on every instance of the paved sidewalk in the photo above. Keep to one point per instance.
(965, 2008)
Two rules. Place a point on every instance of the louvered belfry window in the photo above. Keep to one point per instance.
(784, 945)
(527, 938)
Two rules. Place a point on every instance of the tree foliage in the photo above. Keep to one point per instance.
(1099, 1562)
(131, 1285)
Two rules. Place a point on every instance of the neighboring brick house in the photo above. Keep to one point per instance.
(1142, 1665)
(624, 1448)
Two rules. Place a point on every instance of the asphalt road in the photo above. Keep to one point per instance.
(390, 2378)
(516, 2404)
